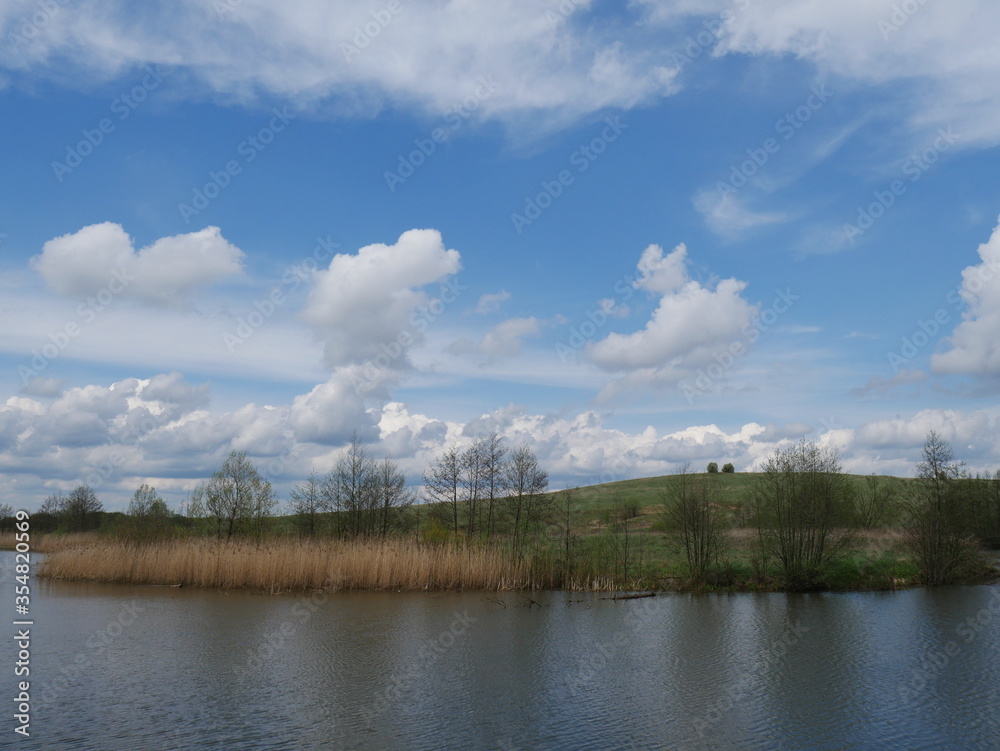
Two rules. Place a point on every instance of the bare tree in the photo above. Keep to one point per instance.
(876, 501)
(149, 514)
(7, 519)
(307, 504)
(392, 495)
(81, 509)
(527, 505)
(472, 480)
(938, 533)
(238, 499)
(494, 458)
(443, 482)
(801, 503)
(621, 541)
(146, 502)
(692, 510)
(53, 504)
(349, 490)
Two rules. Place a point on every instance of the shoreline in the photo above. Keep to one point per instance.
(283, 565)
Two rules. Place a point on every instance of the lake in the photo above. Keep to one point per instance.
(129, 667)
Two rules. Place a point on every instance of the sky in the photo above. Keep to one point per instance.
(630, 235)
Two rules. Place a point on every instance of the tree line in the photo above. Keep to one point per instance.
(483, 491)
(804, 512)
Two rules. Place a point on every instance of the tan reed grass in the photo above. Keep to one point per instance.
(281, 565)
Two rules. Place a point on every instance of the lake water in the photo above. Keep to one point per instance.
(149, 668)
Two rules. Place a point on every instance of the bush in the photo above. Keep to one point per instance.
(728, 468)
(713, 468)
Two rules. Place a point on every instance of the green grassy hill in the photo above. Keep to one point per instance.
(596, 501)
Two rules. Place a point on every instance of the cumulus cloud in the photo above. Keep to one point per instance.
(690, 324)
(161, 430)
(364, 305)
(44, 387)
(333, 410)
(974, 346)
(101, 258)
(962, 429)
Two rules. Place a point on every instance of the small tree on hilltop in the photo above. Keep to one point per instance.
(713, 468)
(728, 468)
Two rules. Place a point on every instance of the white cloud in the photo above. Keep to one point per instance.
(44, 387)
(101, 259)
(662, 274)
(363, 305)
(503, 340)
(691, 321)
(974, 345)
(329, 413)
(961, 429)
(948, 50)
(490, 302)
(728, 216)
(358, 55)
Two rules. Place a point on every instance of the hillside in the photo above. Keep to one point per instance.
(596, 500)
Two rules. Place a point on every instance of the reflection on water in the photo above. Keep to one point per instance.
(123, 667)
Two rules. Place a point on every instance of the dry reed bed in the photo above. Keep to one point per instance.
(291, 565)
(48, 543)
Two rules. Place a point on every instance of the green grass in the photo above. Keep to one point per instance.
(595, 501)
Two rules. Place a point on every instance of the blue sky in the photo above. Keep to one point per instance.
(628, 235)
